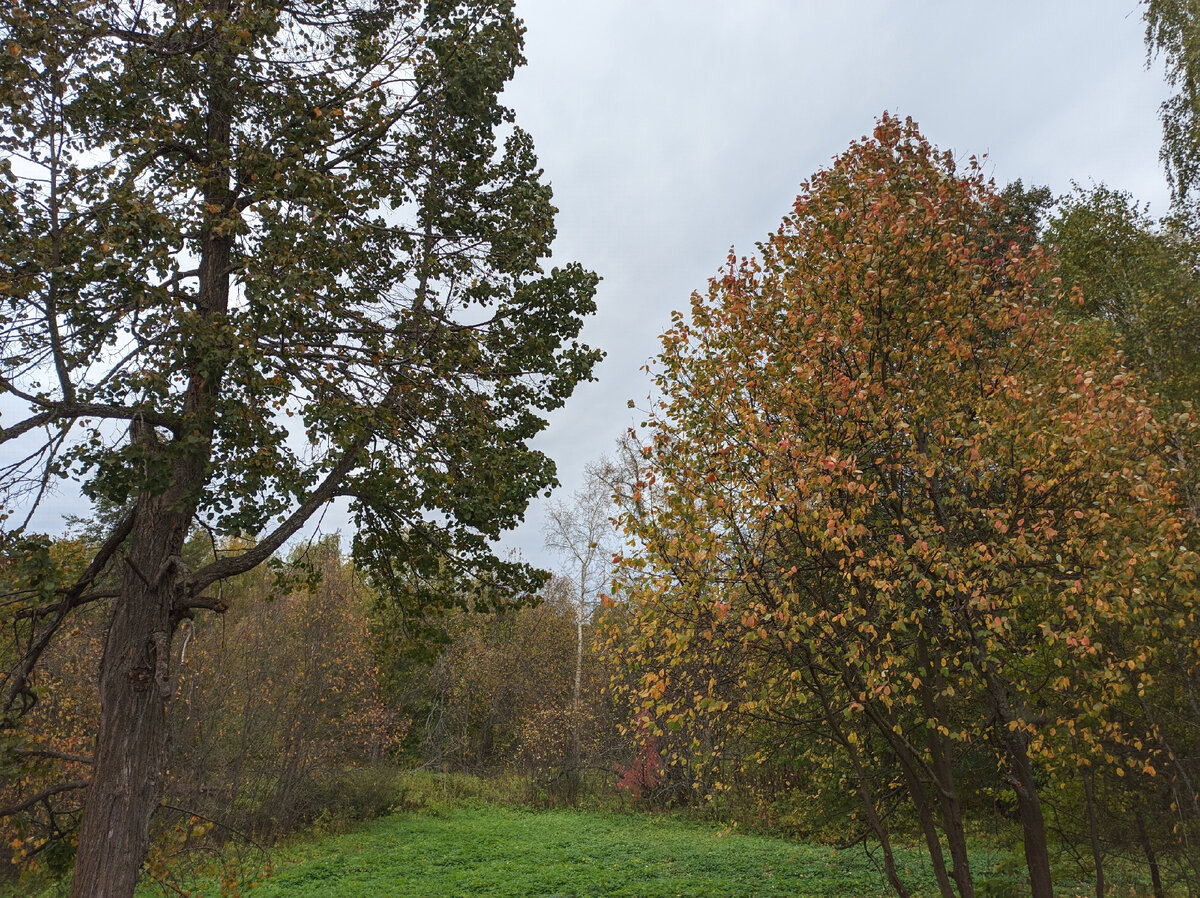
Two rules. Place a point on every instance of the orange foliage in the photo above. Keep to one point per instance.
(894, 507)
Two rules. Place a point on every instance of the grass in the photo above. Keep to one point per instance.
(490, 850)
(455, 837)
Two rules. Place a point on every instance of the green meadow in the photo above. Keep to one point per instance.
(485, 849)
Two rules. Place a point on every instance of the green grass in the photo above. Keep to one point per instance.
(492, 850)
(456, 838)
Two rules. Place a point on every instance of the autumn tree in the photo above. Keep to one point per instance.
(255, 257)
(501, 688)
(892, 506)
(581, 533)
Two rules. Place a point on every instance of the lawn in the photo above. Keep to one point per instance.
(493, 850)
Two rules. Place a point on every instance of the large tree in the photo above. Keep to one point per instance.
(896, 509)
(256, 256)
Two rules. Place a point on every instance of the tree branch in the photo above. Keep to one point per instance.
(231, 566)
(73, 596)
(25, 805)
(59, 410)
(50, 753)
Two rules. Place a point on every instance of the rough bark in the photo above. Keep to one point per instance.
(135, 669)
(134, 700)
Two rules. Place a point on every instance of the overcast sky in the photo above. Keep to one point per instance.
(672, 131)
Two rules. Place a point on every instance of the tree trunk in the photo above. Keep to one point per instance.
(1089, 793)
(866, 798)
(135, 692)
(914, 772)
(1151, 858)
(1029, 806)
(941, 752)
(933, 842)
(576, 707)
(135, 670)
(1029, 810)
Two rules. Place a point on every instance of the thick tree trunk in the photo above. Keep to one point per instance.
(135, 691)
(135, 670)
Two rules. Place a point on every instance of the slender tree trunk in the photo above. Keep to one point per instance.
(920, 801)
(1021, 778)
(941, 752)
(576, 705)
(866, 795)
(1151, 858)
(915, 774)
(1029, 810)
(1089, 793)
(867, 801)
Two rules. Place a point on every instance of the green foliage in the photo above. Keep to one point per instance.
(381, 225)
(455, 837)
(255, 257)
(1173, 32)
(1138, 283)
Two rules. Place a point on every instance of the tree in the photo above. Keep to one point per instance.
(1173, 31)
(582, 534)
(1138, 282)
(894, 506)
(255, 257)
(1136, 288)
(500, 692)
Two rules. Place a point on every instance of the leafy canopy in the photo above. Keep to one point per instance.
(298, 242)
(889, 503)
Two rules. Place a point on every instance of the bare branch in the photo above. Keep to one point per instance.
(67, 604)
(69, 786)
(73, 596)
(51, 753)
(58, 411)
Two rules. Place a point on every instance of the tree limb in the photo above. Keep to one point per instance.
(231, 566)
(25, 805)
(56, 411)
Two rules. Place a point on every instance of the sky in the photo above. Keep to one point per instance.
(673, 130)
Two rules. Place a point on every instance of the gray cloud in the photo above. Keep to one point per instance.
(674, 130)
